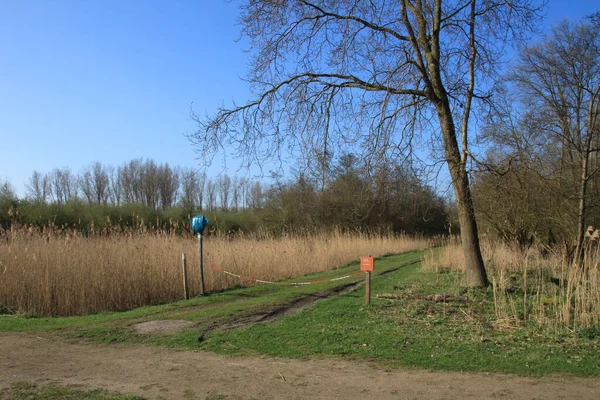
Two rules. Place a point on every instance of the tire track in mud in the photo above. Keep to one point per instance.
(299, 304)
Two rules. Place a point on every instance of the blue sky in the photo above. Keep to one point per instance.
(113, 80)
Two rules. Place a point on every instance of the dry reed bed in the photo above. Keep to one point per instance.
(64, 273)
(533, 288)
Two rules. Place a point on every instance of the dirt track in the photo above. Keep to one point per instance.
(162, 373)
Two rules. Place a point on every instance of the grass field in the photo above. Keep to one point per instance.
(461, 334)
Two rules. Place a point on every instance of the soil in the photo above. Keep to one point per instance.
(162, 326)
(157, 373)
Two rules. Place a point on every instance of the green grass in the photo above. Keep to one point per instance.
(410, 332)
(416, 333)
(27, 391)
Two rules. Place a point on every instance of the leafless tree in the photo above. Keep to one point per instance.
(168, 185)
(559, 78)
(129, 178)
(38, 187)
(235, 193)
(201, 179)
(256, 196)
(189, 189)
(335, 73)
(86, 185)
(149, 178)
(64, 185)
(211, 195)
(115, 189)
(101, 182)
(94, 183)
(243, 192)
(224, 188)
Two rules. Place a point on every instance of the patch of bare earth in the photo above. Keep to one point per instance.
(162, 326)
(162, 373)
(257, 317)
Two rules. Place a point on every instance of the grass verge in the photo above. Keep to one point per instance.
(26, 391)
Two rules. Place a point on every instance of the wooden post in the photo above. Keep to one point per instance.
(368, 289)
(367, 264)
(201, 265)
(186, 293)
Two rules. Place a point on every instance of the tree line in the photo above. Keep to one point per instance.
(156, 185)
(345, 196)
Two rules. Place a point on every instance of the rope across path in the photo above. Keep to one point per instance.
(250, 279)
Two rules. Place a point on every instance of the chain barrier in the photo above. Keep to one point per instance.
(246, 278)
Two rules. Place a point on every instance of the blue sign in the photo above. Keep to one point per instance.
(199, 222)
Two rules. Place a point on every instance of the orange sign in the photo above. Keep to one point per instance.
(367, 264)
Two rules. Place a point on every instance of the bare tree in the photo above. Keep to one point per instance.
(189, 189)
(94, 183)
(201, 178)
(224, 188)
(345, 73)
(235, 193)
(256, 196)
(38, 187)
(243, 192)
(129, 177)
(64, 185)
(168, 185)
(86, 186)
(211, 194)
(149, 177)
(559, 78)
(101, 182)
(115, 189)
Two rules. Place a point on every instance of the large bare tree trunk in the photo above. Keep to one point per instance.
(437, 94)
(474, 267)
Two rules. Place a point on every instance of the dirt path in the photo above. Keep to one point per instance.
(161, 373)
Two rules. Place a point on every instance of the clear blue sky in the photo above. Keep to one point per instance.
(112, 80)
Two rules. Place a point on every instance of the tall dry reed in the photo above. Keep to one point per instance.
(531, 287)
(62, 272)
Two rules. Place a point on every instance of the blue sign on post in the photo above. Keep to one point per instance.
(199, 222)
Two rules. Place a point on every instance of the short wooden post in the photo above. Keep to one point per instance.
(368, 289)
(201, 265)
(186, 292)
(367, 265)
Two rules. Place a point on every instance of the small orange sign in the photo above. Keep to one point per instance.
(367, 264)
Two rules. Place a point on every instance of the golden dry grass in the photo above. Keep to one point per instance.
(60, 272)
(530, 287)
